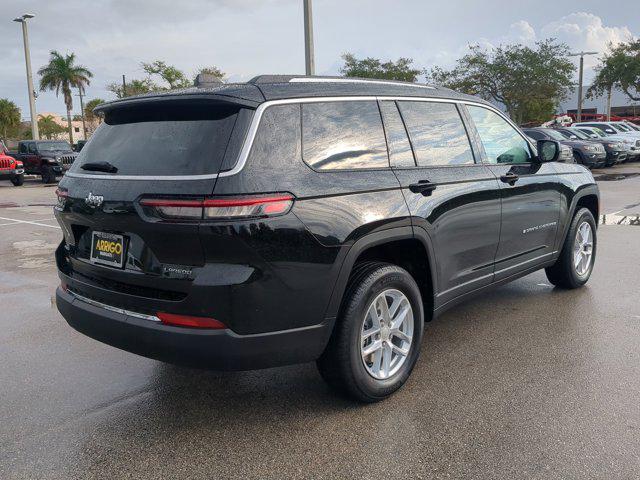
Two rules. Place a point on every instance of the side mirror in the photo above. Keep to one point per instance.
(548, 151)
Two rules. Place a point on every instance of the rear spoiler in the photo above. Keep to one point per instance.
(179, 98)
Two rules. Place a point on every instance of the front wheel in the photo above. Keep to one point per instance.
(377, 337)
(18, 180)
(575, 263)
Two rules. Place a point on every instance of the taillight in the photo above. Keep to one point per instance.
(189, 321)
(222, 208)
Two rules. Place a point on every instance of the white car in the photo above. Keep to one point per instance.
(632, 143)
(610, 128)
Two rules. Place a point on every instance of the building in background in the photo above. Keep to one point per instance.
(621, 105)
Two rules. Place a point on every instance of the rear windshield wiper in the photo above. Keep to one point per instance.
(99, 167)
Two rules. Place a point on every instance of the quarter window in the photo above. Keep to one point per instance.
(343, 135)
(502, 143)
(437, 133)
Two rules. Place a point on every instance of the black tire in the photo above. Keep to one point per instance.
(18, 180)
(577, 158)
(48, 175)
(563, 273)
(341, 365)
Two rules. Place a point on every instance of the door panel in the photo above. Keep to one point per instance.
(462, 218)
(530, 214)
(530, 198)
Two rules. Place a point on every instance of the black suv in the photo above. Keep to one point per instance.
(292, 219)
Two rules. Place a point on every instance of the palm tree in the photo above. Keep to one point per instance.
(9, 117)
(61, 73)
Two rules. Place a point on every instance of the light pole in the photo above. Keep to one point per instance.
(84, 126)
(581, 55)
(309, 60)
(27, 58)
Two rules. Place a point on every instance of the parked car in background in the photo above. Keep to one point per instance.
(47, 158)
(10, 168)
(631, 125)
(304, 218)
(589, 154)
(632, 144)
(79, 145)
(616, 149)
(610, 128)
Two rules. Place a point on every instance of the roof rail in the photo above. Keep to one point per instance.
(357, 80)
(326, 79)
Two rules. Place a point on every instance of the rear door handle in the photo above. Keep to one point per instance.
(510, 178)
(425, 187)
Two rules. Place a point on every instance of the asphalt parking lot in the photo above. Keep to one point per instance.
(525, 382)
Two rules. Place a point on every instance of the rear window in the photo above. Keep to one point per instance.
(162, 139)
(343, 135)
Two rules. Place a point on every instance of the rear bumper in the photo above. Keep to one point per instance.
(203, 348)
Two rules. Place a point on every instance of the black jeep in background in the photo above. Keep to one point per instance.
(47, 158)
(293, 219)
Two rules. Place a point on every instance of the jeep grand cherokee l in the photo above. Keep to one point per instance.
(292, 219)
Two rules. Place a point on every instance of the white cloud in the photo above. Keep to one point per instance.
(585, 32)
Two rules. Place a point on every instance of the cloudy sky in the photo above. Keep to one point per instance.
(248, 37)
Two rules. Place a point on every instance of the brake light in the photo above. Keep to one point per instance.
(189, 321)
(223, 208)
(60, 193)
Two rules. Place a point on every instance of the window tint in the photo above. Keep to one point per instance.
(400, 152)
(343, 135)
(437, 133)
(32, 148)
(162, 139)
(23, 148)
(502, 143)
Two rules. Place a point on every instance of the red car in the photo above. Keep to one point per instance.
(10, 168)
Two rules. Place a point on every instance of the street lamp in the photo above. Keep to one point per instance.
(27, 58)
(581, 55)
(309, 60)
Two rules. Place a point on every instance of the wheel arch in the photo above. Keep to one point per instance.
(396, 245)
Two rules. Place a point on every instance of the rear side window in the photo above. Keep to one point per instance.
(400, 153)
(343, 135)
(502, 143)
(162, 139)
(437, 133)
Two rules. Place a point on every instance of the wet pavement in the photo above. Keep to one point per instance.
(525, 382)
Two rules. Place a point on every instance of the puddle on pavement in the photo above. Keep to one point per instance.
(613, 177)
(35, 253)
(620, 220)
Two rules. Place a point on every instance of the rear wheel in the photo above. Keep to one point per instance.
(575, 263)
(48, 175)
(377, 337)
(18, 180)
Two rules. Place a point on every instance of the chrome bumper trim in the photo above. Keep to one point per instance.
(122, 311)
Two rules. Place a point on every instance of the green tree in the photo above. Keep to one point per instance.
(48, 127)
(61, 74)
(370, 67)
(168, 73)
(9, 118)
(529, 82)
(133, 87)
(89, 115)
(620, 69)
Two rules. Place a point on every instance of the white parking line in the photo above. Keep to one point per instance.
(14, 221)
